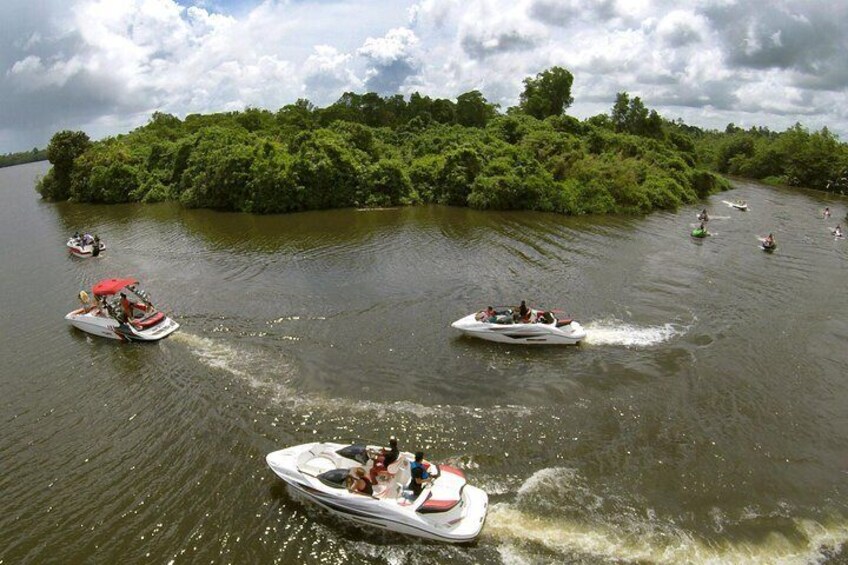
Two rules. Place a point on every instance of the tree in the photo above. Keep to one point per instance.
(64, 147)
(549, 94)
(619, 111)
(472, 109)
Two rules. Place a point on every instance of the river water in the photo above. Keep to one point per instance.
(704, 420)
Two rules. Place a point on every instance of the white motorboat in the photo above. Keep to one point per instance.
(121, 310)
(85, 246)
(743, 206)
(448, 509)
(541, 327)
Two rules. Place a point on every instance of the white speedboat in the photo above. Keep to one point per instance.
(121, 310)
(542, 327)
(85, 247)
(743, 206)
(448, 509)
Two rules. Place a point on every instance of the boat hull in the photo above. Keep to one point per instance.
(475, 497)
(108, 327)
(524, 334)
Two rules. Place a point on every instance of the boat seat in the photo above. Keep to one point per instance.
(317, 465)
(387, 490)
(151, 321)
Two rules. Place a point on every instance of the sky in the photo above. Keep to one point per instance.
(104, 66)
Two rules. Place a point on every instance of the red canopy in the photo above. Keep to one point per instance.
(107, 287)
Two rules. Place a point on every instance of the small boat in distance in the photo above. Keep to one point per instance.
(120, 310)
(85, 245)
(503, 325)
(446, 509)
(740, 205)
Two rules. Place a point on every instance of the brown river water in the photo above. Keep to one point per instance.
(704, 420)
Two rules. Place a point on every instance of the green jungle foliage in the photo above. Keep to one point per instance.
(371, 151)
(795, 157)
(10, 159)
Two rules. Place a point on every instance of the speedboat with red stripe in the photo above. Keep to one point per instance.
(447, 509)
(85, 246)
(504, 325)
(121, 310)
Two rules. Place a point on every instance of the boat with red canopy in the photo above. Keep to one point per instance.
(119, 309)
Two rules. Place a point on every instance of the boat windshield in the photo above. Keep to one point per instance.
(334, 478)
(358, 453)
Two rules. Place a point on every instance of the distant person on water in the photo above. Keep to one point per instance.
(838, 231)
(769, 241)
(826, 212)
(703, 216)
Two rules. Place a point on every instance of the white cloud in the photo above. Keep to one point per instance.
(104, 65)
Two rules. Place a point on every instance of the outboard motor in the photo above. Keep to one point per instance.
(95, 249)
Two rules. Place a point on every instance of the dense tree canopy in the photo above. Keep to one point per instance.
(795, 157)
(368, 150)
(549, 94)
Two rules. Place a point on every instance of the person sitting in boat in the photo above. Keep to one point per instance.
(76, 236)
(383, 459)
(87, 239)
(126, 307)
(391, 455)
(545, 318)
(87, 304)
(523, 312)
(420, 476)
(358, 482)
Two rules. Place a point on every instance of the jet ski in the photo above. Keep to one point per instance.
(447, 509)
(743, 206)
(700, 233)
(541, 327)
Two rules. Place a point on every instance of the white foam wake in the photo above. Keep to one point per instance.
(262, 371)
(615, 332)
(636, 536)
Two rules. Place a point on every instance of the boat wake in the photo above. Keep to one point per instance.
(576, 530)
(615, 332)
(263, 372)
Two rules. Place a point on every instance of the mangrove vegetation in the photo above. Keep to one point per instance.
(366, 150)
(11, 159)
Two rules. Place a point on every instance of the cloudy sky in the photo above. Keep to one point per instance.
(104, 66)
